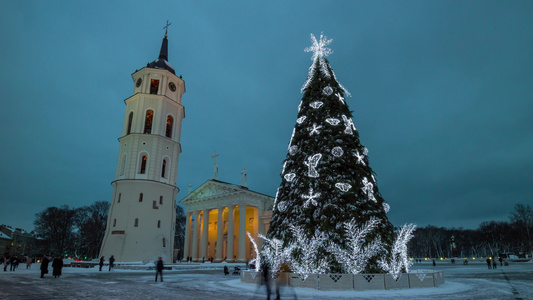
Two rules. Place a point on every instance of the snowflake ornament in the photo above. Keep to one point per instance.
(333, 121)
(337, 151)
(341, 98)
(359, 158)
(312, 163)
(315, 129)
(311, 198)
(343, 186)
(316, 104)
(300, 120)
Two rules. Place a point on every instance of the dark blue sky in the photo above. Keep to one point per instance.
(441, 92)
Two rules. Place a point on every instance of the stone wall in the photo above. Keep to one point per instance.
(358, 282)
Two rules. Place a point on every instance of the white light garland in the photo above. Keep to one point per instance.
(289, 177)
(327, 91)
(343, 186)
(292, 136)
(311, 198)
(356, 256)
(399, 261)
(349, 125)
(312, 163)
(314, 130)
(368, 188)
(257, 259)
(359, 158)
(337, 151)
(301, 119)
(316, 104)
(275, 254)
(333, 121)
(308, 261)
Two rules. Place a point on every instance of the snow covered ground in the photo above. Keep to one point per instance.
(474, 281)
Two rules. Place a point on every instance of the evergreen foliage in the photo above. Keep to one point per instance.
(326, 178)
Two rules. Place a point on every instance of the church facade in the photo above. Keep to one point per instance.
(142, 215)
(218, 216)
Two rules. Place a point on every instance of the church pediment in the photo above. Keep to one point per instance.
(210, 189)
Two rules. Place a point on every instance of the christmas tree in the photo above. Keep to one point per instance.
(328, 207)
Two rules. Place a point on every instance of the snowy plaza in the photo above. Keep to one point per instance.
(203, 281)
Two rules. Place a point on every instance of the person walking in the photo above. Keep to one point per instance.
(266, 278)
(501, 261)
(159, 269)
(488, 263)
(57, 265)
(102, 259)
(226, 270)
(111, 262)
(13, 263)
(44, 266)
(28, 263)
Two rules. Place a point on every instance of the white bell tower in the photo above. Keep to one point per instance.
(142, 216)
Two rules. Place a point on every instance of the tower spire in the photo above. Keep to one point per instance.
(163, 54)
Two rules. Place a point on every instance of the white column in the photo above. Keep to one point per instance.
(220, 227)
(205, 234)
(186, 251)
(231, 233)
(242, 233)
(194, 242)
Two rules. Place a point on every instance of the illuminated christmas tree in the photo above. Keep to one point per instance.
(328, 198)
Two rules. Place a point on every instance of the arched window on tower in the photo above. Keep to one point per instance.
(144, 160)
(130, 120)
(141, 197)
(159, 224)
(114, 222)
(148, 121)
(170, 124)
(136, 224)
(164, 168)
(164, 242)
(154, 86)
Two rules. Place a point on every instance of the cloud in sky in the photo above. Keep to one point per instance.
(441, 94)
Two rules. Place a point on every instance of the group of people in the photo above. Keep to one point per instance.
(57, 266)
(111, 262)
(14, 261)
(492, 264)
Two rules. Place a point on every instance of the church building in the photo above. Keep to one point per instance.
(142, 216)
(218, 216)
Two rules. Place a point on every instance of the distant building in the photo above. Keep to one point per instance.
(5, 244)
(21, 242)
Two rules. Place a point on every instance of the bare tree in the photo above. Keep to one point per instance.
(522, 218)
(91, 223)
(55, 225)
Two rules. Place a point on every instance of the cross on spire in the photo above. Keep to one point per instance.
(215, 166)
(166, 28)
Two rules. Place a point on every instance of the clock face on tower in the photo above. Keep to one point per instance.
(139, 81)
(172, 86)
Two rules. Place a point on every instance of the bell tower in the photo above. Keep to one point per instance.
(142, 215)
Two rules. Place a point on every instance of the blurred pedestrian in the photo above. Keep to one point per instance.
(159, 269)
(226, 270)
(488, 263)
(266, 279)
(111, 262)
(44, 266)
(57, 265)
(28, 263)
(102, 259)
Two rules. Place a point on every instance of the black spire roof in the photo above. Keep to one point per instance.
(162, 61)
